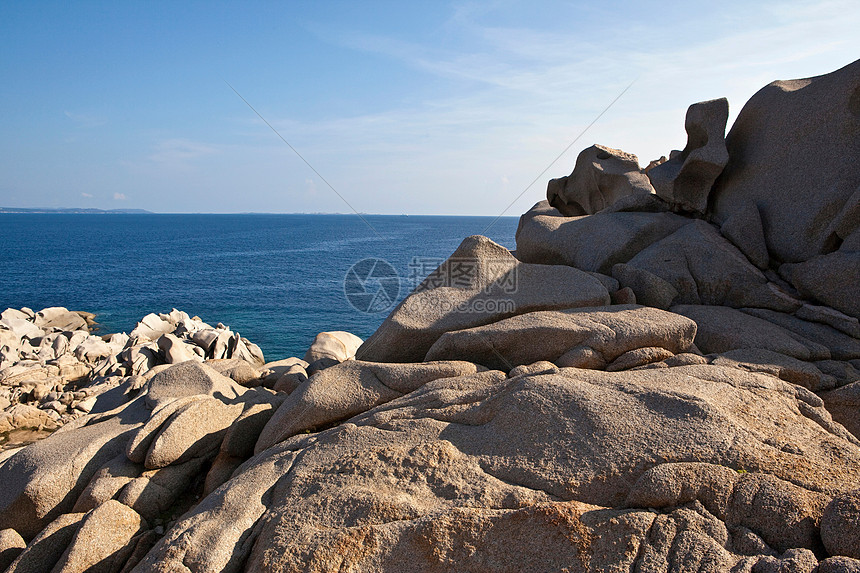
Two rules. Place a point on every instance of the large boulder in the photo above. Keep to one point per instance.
(480, 283)
(593, 243)
(59, 318)
(337, 345)
(833, 279)
(704, 268)
(587, 338)
(685, 180)
(459, 456)
(45, 479)
(793, 152)
(601, 176)
(103, 540)
(342, 391)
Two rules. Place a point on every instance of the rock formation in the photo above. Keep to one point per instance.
(671, 383)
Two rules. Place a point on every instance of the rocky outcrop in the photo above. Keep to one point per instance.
(600, 177)
(685, 180)
(638, 390)
(479, 284)
(792, 152)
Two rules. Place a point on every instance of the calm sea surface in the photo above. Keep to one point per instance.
(276, 279)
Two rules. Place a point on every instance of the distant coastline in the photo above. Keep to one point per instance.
(77, 211)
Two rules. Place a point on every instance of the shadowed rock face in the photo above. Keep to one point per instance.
(506, 416)
(685, 180)
(793, 152)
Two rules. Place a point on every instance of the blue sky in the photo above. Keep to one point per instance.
(419, 108)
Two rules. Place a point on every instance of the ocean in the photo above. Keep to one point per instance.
(276, 279)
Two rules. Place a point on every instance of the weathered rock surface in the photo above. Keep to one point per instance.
(792, 152)
(600, 334)
(706, 269)
(685, 180)
(102, 542)
(592, 243)
(479, 284)
(601, 176)
(336, 345)
(348, 389)
(720, 435)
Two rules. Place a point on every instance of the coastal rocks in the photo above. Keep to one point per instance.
(721, 329)
(592, 243)
(585, 338)
(479, 284)
(718, 435)
(744, 229)
(685, 180)
(704, 268)
(844, 405)
(601, 176)
(51, 375)
(102, 542)
(831, 279)
(792, 151)
(11, 545)
(350, 388)
(338, 346)
(840, 525)
(461, 450)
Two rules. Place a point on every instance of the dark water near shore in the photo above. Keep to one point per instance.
(276, 279)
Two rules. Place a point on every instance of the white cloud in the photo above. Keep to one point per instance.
(87, 195)
(119, 197)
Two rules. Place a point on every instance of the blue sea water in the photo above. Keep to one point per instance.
(276, 279)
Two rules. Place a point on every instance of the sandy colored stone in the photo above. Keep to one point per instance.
(350, 388)
(548, 335)
(832, 279)
(11, 545)
(195, 430)
(103, 540)
(237, 370)
(46, 548)
(592, 243)
(60, 318)
(685, 180)
(830, 316)
(44, 480)
(174, 350)
(675, 484)
(844, 405)
(276, 369)
(839, 565)
(601, 176)
(243, 433)
(639, 357)
(337, 345)
(107, 482)
(785, 367)
(824, 341)
(292, 378)
(785, 515)
(479, 284)
(840, 525)
(188, 379)
(155, 491)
